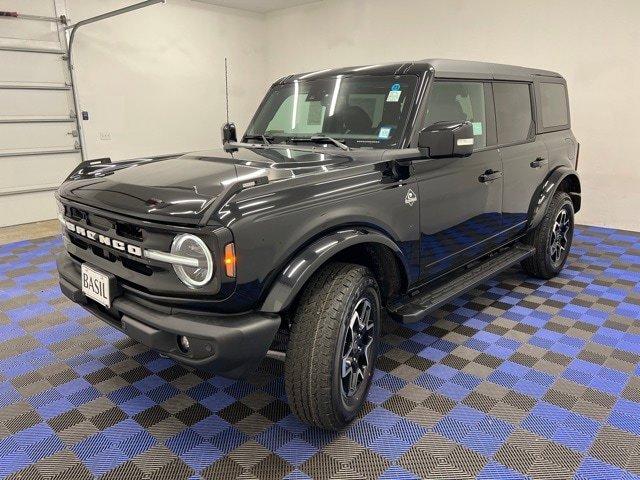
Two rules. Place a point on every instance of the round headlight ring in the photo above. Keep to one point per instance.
(184, 277)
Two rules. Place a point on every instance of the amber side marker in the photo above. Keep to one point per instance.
(230, 260)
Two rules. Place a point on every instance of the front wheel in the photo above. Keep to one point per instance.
(551, 238)
(333, 345)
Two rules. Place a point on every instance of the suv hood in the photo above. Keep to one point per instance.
(180, 189)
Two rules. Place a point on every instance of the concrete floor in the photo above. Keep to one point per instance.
(29, 231)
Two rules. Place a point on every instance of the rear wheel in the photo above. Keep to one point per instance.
(551, 238)
(333, 345)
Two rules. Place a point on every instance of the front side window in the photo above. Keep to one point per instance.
(513, 111)
(361, 111)
(451, 101)
(555, 111)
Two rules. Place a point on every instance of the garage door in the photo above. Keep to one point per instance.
(38, 137)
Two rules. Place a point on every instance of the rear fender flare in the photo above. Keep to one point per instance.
(546, 191)
(300, 269)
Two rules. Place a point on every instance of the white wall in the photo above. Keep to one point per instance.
(594, 44)
(153, 80)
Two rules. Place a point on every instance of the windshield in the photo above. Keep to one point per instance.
(360, 111)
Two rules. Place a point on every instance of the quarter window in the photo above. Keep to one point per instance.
(459, 102)
(555, 111)
(514, 119)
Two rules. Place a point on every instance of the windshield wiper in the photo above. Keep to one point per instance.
(320, 139)
(265, 139)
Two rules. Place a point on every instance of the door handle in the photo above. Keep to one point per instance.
(539, 162)
(489, 176)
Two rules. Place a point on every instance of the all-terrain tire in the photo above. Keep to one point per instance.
(541, 263)
(314, 360)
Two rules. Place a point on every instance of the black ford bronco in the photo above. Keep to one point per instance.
(357, 191)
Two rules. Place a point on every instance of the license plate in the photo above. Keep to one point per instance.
(95, 285)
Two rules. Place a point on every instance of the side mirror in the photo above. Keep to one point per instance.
(446, 139)
(229, 133)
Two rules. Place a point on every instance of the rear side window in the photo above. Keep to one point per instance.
(555, 111)
(513, 111)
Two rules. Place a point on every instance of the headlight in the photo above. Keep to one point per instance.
(187, 245)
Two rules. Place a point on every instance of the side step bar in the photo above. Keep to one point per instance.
(419, 305)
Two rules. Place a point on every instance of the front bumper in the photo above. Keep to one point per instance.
(228, 345)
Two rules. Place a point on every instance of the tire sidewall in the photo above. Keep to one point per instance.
(566, 204)
(348, 407)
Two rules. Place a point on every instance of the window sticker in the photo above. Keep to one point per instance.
(395, 87)
(394, 95)
(384, 133)
(477, 128)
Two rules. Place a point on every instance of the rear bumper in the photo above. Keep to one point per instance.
(229, 345)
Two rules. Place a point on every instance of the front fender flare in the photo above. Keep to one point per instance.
(545, 192)
(300, 269)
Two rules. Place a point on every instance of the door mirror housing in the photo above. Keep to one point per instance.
(229, 133)
(446, 139)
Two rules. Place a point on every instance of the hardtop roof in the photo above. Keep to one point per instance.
(443, 68)
(447, 66)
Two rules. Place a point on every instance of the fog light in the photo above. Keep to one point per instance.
(183, 343)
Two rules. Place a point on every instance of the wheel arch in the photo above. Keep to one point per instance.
(360, 245)
(562, 179)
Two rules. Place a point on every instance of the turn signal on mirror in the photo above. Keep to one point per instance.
(230, 260)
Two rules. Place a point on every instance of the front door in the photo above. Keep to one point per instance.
(524, 158)
(460, 198)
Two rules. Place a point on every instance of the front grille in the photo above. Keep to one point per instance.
(140, 273)
(113, 228)
(129, 230)
(101, 252)
(98, 222)
(77, 214)
(103, 224)
(78, 242)
(137, 267)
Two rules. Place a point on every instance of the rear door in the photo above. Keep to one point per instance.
(460, 216)
(524, 157)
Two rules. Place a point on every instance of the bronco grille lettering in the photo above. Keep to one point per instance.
(103, 239)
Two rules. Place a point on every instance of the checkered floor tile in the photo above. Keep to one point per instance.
(518, 379)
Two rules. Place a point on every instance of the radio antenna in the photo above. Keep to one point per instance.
(226, 86)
